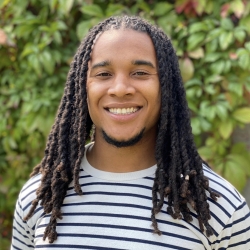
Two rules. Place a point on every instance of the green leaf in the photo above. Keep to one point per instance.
(210, 113)
(225, 39)
(236, 88)
(66, 6)
(114, 9)
(218, 67)
(210, 89)
(195, 124)
(205, 125)
(227, 66)
(52, 4)
(238, 8)
(238, 148)
(187, 69)
(247, 46)
(82, 29)
(47, 62)
(206, 153)
(144, 6)
(221, 111)
(214, 34)
(29, 49)
(211, 46)
(244, 61)
(213, 79)
(241, 52)
(244, 22)
(193, 82)
(227, 24)
(226, 129)
(235, 175)
(196, 54)
(212, 57)
(35, 64)
(166, 22)
(239, 34)
(199, 26)
(92, 10)
(162, 8)
(61, 25)
(194, 40)
(241, 160)
(242, 115)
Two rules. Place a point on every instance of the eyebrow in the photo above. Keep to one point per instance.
(143, 62)
(136, 62)
(101, 64)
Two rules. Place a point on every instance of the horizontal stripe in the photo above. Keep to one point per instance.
(70, 246)
(120, 227)
(116, 215)
(91, 236)
(113, 184)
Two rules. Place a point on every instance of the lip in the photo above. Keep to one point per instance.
(123, 105)
(123, 117)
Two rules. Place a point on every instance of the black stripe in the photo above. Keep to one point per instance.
(238, 221)
(32, 183)
(33, 191)
(20, 232)
(237, 198)
(113, 194)
(217, 219)
(69, 246)
(125, 228)
(120, 216)
(121, 239)
(22, 242)
(114, 184)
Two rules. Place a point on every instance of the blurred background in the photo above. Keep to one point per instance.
(39, 38)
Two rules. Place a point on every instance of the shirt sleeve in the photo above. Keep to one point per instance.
(236, 233)
(22, 234)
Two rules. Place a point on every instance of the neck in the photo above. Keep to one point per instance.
(107, 157)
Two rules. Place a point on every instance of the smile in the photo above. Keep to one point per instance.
(122, 111)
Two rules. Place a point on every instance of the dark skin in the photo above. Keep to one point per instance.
(123, 75)
(115, 90)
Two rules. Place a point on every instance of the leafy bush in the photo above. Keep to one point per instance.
(37, 42)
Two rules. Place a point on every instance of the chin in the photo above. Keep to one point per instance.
(120, 143)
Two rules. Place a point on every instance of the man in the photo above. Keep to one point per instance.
(141, 183)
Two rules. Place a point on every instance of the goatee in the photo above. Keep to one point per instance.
(119, 144)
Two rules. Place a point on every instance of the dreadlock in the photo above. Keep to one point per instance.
(179, 175)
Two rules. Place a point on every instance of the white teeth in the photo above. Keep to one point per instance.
(123, 111)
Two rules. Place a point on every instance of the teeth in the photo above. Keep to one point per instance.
(123, 111)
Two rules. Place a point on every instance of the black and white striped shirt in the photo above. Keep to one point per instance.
(114, 213)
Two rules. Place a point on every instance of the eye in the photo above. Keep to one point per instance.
(140, 73)
(103, 74)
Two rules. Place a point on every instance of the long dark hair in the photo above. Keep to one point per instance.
(179, 175)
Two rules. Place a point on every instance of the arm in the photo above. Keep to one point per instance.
(236, 233)
(22, 234)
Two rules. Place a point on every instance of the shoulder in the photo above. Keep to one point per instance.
(229, 207)
(227, 191)
(28, 192)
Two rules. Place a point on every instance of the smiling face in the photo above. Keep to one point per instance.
(123, 86)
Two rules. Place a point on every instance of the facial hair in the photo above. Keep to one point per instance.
(120, 144)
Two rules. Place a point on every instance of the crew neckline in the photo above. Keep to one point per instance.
(105, 175)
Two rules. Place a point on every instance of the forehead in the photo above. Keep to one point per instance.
(123, 42)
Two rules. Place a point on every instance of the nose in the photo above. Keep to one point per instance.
(121, 85)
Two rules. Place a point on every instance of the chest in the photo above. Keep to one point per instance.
(113, 217)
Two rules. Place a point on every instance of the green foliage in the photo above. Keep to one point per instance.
(37, 42)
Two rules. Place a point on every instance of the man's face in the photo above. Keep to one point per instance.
(123, 87)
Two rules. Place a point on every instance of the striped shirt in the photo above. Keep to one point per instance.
(114, 213)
